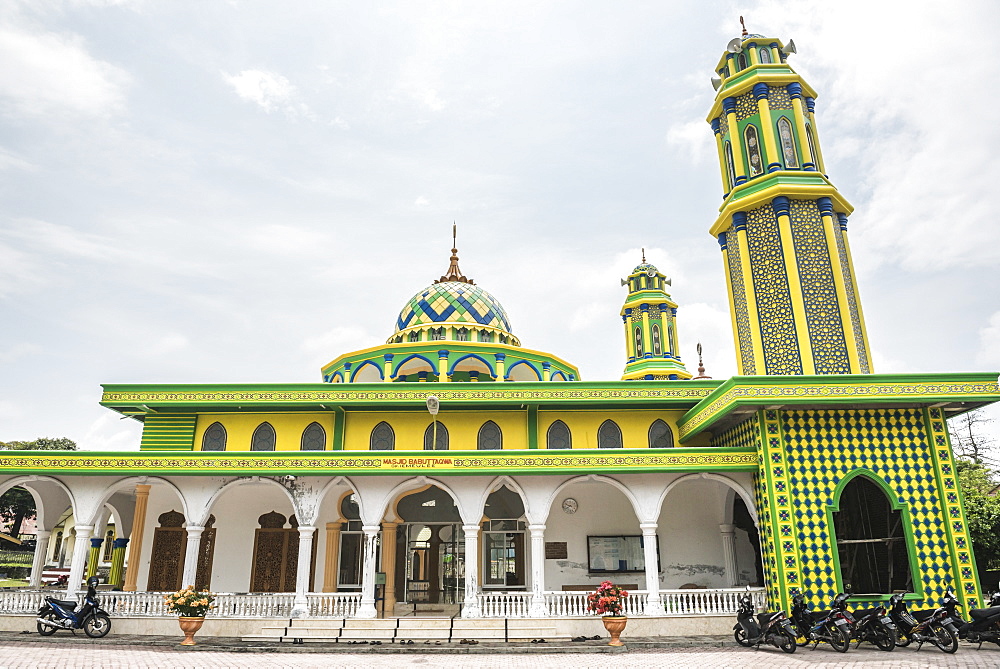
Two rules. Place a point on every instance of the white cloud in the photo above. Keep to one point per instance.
(109, 432)
(47, 73)
(270, 91)
(691, 139)
(326, 346)
(10, 160)
(989, 342)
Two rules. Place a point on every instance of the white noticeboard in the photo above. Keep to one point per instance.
(615, 554)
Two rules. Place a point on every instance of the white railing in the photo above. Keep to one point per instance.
(504, 604)
(561, 603)
(25, 601)
(708, 602)
(120, 603)
(255, 605)
(333, 604)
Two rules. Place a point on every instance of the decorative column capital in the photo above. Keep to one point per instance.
(306, 530)
(442, 354)
(121, 542)
(388, 357)
(842, 219)
(794, 90)
(83, 530)
(716, 126)
(825, 206)
(42, 534)
(781, 205)
(537, 530)
(95, 542)
(142, 489)
(371, 530)
(739, 220)
(722, 241)
(648, 529)
(760, 91)
(194, 531)
(727, 529)
(471, 528)
(729, 105)
(500, 356)
(811, 105)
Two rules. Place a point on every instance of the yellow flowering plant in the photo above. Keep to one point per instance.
(190, 603)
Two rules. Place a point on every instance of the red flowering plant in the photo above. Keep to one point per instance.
(607, 600)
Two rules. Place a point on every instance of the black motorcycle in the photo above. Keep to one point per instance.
(833, 626)
(985, 624)
(873, 625)
(936, 626)
(771, 628)
(58, 614)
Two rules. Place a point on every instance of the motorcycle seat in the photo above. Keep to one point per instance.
(982, 614)
(65, 604)
(764, 618)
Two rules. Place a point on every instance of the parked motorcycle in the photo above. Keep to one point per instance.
(58, 614)
(937, 627)
(772, 627)
(872, 625)
(985, 624)
(833, 626)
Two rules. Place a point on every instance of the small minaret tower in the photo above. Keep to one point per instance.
(650, 319)
(782, 225)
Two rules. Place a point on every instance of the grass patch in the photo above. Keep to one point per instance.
(13, 583)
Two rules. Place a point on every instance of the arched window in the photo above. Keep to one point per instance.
(609, 435)
(812, 147)
(486, 336)
(263, 438)
(753, 150)
(439, 444)
(437, 334)
(741, 61)
(787, 142)
(655, 332)
(214, 438)
(638, 342)
(109, 545)
(871, 540)
(462, 334)
(313, 438)
(765, 55)
(490, 437)
(383, 438)
(558, 436)
(660, 435)
(414, 336)
(730, 166)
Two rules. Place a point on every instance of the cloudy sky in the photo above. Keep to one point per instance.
(240, 191)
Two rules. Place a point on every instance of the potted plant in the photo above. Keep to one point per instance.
(191, 605)
(609, 601)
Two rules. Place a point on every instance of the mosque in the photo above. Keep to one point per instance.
(454, 472)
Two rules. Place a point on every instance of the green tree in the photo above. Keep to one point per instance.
(982, 510)
(40, 444)
(17, 503)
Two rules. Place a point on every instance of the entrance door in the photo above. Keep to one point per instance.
(435, 563)
(503, 553)
(276, 555)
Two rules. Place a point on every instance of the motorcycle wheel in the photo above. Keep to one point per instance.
(97, 625)
(945, 639)
(787, 642)
(840, 641)
(884, 639)
(902, 639)
(741, 637)
(45, 630)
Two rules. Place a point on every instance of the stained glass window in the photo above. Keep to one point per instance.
(753, 150)
(263, 438)
(558, 436)
(313, 438)
(660, 435)
(609, 435)
(490, 437)
(214, 439)
(787, 142)
(383, 438)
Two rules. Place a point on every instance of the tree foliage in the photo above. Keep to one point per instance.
(982, 511)
(17, 503)
(40, 444)
(970, 437)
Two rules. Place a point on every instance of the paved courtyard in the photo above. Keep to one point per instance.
(108, 656)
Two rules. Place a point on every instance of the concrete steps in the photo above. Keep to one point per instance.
(395, 630)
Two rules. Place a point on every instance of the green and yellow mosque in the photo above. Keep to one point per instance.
(523, 485)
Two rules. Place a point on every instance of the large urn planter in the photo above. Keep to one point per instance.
(615, 626)
(190, 626)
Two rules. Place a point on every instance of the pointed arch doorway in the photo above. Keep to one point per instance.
(166, 564)
(430, 550)
(276, 555)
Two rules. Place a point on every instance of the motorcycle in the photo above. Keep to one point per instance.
(58, 614)
(873, 625)
(771, 628)
(937, 627)
(834, 626)
(985, 624)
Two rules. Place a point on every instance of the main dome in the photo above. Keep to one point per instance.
(453, 302)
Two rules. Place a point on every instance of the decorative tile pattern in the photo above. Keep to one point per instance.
(852, 300)
(778, 98)
(774, 302)
(746, 106)
(784, 564)
(819, 293)
(744, 435)
(744, 336)
(454, 302)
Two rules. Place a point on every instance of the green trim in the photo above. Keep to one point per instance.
(533, 426)
(339, 423)
(895, 503)
(168, 432)
(394, 463)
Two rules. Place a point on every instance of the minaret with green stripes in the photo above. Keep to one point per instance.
(782, 225)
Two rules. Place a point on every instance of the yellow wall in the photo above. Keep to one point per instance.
(287, 426)
(463, 428)
(583, 425)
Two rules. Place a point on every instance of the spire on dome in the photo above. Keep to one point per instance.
(644, 254)
(744, 26)
(454, 273)
(701, 365)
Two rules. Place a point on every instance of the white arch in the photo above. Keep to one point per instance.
(338, 481)
(419, 482)
(719, 478)
(615, 483)
(496, 484)
(225, 487)
(111, 489)
(40, 510)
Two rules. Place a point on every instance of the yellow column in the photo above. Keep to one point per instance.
(811, 108)
(94, 556)
(829, 229)
(629, 346)
(720, 147)
(735, 139)
(117, 572)
(780, 205)
(500, 365)
(857, 298)
(798, 112)
(546, 371)
(770, 145)
(389, 567)
(332, 561)
(740, 225)
(443, 366)
(646, 337)
(138, 526)
(754, 55)
(387, 368)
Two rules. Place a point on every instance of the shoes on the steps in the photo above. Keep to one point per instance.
(579, 638)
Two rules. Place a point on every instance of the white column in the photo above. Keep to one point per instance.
(191, 553)
(38, 563)
(653, 606)
(81, 549)
(537, 609)
(470, 608)
(729, 553)
(366, 608)
(302, 573)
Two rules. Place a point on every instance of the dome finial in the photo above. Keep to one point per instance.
(454, 273)
(744, 26)
(701, 365)
(644, 254)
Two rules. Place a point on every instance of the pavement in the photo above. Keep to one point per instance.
(122, 651)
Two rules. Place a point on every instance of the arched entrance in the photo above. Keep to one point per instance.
(430, 550)
(276, 554)
(504, 531)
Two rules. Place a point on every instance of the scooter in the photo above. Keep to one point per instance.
(985, 624)
(772, 627)
(58, 614)
(937, 627)
(872, 625)
(834, 626)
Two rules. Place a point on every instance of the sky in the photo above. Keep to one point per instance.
(213, 192)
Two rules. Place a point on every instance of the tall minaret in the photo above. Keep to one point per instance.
(650, 319)
(783, 226)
